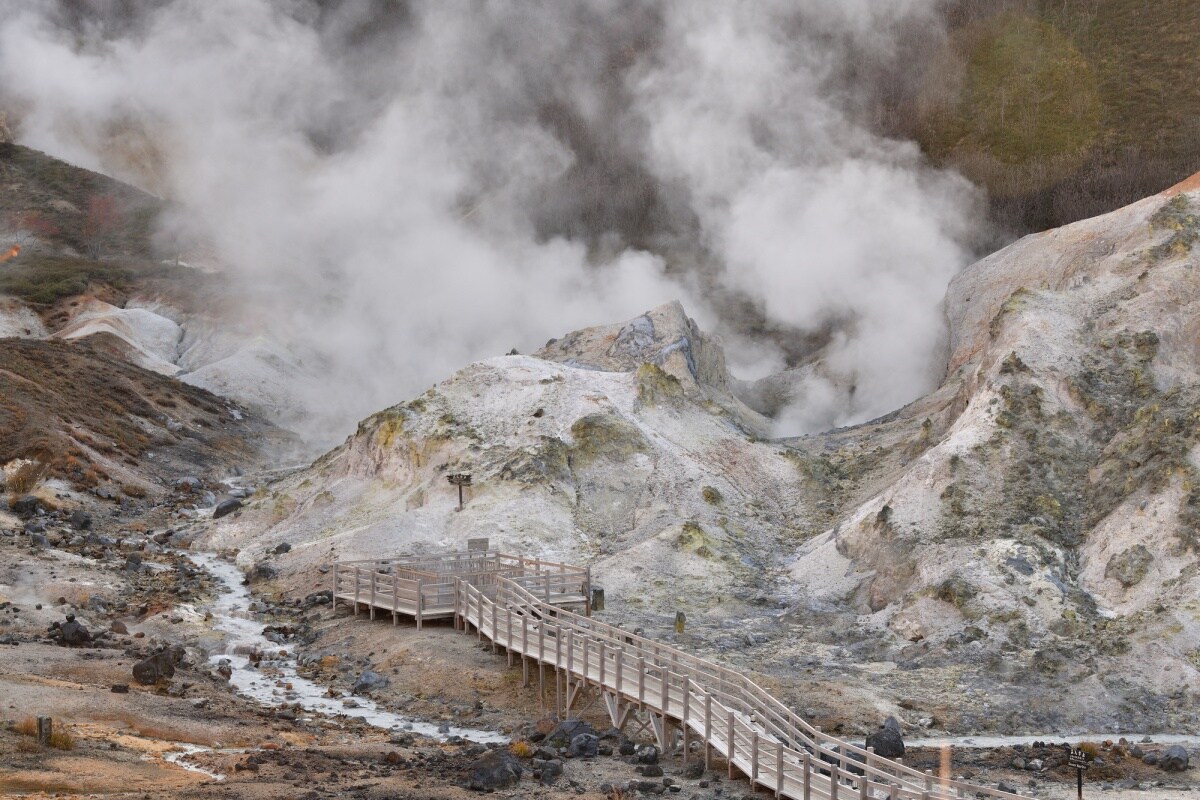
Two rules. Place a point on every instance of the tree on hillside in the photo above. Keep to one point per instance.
(29, 225)
(100, 225)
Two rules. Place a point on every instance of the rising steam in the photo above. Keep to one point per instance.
(404, 187)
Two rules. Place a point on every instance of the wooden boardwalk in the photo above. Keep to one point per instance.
(519, 605)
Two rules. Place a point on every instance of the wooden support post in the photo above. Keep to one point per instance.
(356, 590)
(642, 681)
(524, 672)
(753, 759)
(619, 655)
(862, 785)
(806, 781)
(778, 769)
(834, 781)
(420, 599)
(373, 574)
(707, 731)
(45, 729)
(666, 689)
(600, 649)
(687, 701)
(586, 664)
(730, 747)
(396, 601)
(495, 607)
(333, 604)
(587, 592)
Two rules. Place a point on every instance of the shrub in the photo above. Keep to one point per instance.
(521, 749)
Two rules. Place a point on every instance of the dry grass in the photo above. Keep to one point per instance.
(521, 749)
(59, 738)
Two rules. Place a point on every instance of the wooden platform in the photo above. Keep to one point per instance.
(519, 605)
(424, 588)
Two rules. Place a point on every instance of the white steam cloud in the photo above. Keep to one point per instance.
(404, 187)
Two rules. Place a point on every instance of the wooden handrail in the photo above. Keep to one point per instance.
(509, 600)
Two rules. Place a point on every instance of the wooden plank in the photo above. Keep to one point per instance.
(449, 586)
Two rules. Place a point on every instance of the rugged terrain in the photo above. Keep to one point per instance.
(94, 263)
(1013, 552)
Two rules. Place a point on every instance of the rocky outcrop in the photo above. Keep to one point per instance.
(495, 769)
(1029, 523)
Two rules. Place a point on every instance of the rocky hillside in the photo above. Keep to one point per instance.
(75, 416)
(94, 260)
(1027, 529)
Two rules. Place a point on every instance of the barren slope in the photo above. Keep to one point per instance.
(1026, 528)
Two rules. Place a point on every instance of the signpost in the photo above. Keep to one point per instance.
(460, 479)
(1078, 760)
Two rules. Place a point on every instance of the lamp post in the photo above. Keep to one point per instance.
(460, 479)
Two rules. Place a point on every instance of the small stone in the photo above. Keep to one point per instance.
(120, 688)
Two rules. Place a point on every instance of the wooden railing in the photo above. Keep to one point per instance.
(735, 717)
(732, 716)
(423, 587)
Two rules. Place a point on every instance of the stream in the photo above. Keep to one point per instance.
(275, 682)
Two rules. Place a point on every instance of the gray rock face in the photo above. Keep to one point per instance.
(281, 548)
(81, 520)
(370, 681)
(887, 741)
(647, 754)
(1129, 567)
(157, 667)
(549, 769)
(1175, 759)
(495, 769)
(263, 572)
(583, 745)
(565, 732)
(25, 506)
(226, 507)
(72, 633)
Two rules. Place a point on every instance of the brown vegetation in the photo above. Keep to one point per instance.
(80, 414)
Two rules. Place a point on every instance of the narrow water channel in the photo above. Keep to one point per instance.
(274, 680)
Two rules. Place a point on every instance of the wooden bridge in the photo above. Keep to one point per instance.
(521, 605)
